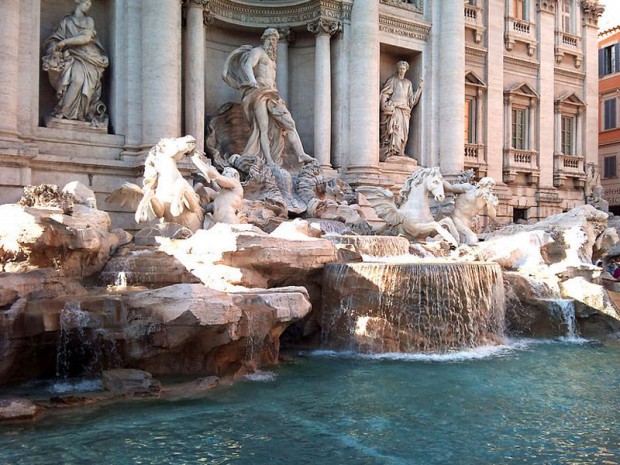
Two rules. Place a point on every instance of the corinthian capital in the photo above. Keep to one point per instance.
(286, 34)
(592, 11)
(325, 26)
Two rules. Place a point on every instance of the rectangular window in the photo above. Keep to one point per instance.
(609, 60)
(519, 9)
(609, 168)
(519, 129)
(568, 134)
(470, 121)
(565, 9)
(609, 114)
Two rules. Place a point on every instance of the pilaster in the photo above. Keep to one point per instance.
(451, 81)
(546, 78)
(496, 114)
(591, 12)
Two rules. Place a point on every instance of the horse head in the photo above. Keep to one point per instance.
(428, 178)
(173, 148)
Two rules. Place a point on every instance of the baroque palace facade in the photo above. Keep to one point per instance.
(510, 89)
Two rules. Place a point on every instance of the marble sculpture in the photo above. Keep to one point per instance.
(75, 62)
(252, 70)
(165, 194)
(413, 218)
(397, 101)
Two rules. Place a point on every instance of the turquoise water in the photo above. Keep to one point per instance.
(532, 403)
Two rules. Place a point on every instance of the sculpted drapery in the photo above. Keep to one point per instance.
(397, 101)
(75, 62)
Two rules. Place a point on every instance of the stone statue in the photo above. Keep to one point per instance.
(472, 199)
(252, 70)
(165, 194)
(226, 197)
(593, 189)
(397, 101)
(75, 62)
(413, 217)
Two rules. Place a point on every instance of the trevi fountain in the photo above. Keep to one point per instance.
(266, 311)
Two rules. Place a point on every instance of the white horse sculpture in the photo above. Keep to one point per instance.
(164, 194)
(413, 218)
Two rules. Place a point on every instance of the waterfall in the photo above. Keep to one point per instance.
(84, 346)
(564, 311)
(374, 246)
(121, 279)
(412, 307)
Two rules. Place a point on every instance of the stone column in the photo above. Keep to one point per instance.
(286, 37)
(591, 12)
(161, 68)
(194, 78)
(323, 30)
(340, 99)
(9, 70)
(363, 157)
(451, 89)
(546, 111)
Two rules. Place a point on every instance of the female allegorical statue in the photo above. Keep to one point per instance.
(397, 101)
(75, 61)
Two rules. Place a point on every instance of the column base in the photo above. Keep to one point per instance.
(366, 175)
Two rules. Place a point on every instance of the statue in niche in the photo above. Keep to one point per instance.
(75, 62)
(252, 70)
(397, 101)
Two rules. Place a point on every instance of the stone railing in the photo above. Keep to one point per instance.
(519, 30)
(475, 158)
(473, 20)
(568, 167)
(568, 44)
(520, 161)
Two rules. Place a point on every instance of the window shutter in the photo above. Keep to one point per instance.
(601, 62)
(617, 54)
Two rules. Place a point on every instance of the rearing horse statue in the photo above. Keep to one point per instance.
(413, 218)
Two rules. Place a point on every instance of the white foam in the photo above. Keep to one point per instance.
(84, 385)
(491, 351)
(261, 376)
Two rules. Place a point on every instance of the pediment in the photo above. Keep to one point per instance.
(473, 79)
(522, 89)
(570, 98)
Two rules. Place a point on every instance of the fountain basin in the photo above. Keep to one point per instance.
(412, 307)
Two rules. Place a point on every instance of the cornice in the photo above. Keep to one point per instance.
(289, 13)
(521, 62)
(548, 6)
(569, 73)
(402, 27)
(411, 5)
(475, 51)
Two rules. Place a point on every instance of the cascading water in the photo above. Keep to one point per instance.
(374, 246)
(412, 307)
(564, 311)
(84, 346)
